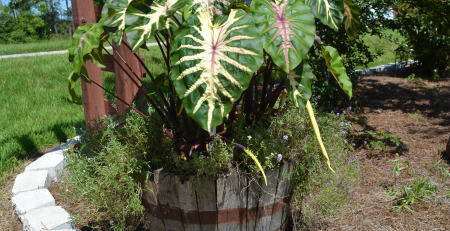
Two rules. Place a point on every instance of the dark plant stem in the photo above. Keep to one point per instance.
(272, 97)
(169, 116)
(168, 133)
(160, 39)
(280, 89)
(256, 92)
(148, 72)
(140, 61)
(132, 79)
(162, 52)
(186, 122)
(176, 20)
(248, 102)
(266, 79)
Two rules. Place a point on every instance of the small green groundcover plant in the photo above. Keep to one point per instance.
(234, 70)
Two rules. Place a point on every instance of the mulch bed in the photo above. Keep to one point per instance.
(418, 113)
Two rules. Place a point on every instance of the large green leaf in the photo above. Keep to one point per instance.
(73, 78)
(287, 30)
(85, 42)
(213, 65)
(351, 19)
(329, 12)
(144, 17)
(116, 11)
(336, 66)
(299, 83)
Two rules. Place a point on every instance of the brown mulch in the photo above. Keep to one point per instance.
(418, 113)
(8, 218)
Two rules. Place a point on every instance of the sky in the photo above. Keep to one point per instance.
(62, 3)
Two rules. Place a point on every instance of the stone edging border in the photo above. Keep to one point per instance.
(35, 206)
(33, 203)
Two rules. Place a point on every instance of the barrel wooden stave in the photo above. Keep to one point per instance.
(230, 202)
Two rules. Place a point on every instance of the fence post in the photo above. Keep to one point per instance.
(125, 87)
(93, 99)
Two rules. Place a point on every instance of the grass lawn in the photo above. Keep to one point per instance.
(45, 45)
(384, 47)
(52, 45)
(35, 111)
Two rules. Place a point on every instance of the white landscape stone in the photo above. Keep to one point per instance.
(32, 200)
(52, 162)
(32, 180)
(50, 218)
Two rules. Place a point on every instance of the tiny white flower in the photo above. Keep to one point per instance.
(249, 137)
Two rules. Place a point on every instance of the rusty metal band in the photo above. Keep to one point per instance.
(235, 215)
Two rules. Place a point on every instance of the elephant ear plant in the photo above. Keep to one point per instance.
(222, 58)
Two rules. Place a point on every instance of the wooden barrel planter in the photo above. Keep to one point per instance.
(228, 202)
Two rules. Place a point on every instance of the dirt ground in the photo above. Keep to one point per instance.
(419, 113)
(8, 218)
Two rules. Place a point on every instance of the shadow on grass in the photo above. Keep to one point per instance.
(29, 148)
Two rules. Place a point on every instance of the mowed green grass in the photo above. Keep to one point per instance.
(41, 46)
(35, 113)
(384, 47)
(51, 45)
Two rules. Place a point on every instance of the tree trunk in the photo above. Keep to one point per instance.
(68, 18)
(53, 16)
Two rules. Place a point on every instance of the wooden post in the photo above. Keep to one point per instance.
(93, 100)
(125, 87)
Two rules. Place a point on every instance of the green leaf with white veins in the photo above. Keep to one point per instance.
(329, 12)
(213, 65)
(336, 66)
(116, 11)
(287, 29)
(145, 17)
(85, 39)
(299, 83)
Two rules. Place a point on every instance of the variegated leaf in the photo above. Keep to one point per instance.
(329, 12)
(85, 41)
(287, 30)
(144, 17)
(299, 84)
(351, 19)
(336, 66)
(116, 11)
(213, 65)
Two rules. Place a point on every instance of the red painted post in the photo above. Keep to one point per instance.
(125, 87)
(93, 99)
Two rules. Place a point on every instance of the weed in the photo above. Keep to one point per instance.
(422, 190)
(414, 79)
(414, 117)
(442, 167)
(381, 140)
(397, 167)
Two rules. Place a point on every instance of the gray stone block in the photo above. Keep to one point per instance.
(52, 162)
(31, 180)
(32, 200)
(50, 218)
